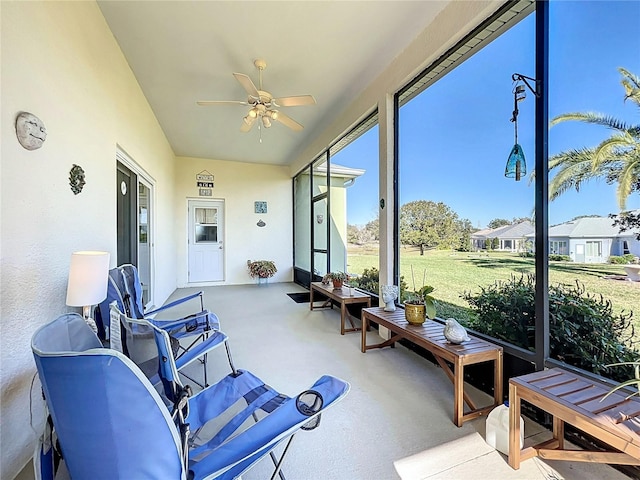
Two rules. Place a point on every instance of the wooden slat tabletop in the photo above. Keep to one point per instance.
(617, 413)
(430, 331)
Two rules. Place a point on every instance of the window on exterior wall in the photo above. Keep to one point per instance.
(594, 249)
(558, 248)
(463, 226)
(587, 107)
(354, 205)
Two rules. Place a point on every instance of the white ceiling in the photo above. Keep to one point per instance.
(184, 51)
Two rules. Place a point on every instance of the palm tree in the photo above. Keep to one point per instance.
(616, 159)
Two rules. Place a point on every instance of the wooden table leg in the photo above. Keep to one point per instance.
(497, 379)
(365, 327)
(343, 316)
(311, 299)
(514, 427)
(558, 431)
(458, 392)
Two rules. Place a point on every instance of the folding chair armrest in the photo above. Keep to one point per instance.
(174, 303)
(243, 450)
(204, 321)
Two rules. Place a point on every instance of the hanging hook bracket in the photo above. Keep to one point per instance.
(517, 77)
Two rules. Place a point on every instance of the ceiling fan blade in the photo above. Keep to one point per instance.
(206, 103)
(295, 101)
(247, 84)
(289, 122)
(245, 127)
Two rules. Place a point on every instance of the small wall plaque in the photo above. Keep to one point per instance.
(30, 131)
(204, 176)
(76, 179)
(260, 207)
(206, 192)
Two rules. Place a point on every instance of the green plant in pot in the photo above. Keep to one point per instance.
(338, 278)
(418, 303)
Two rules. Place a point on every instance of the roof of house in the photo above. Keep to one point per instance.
(587, 227)
(517, 230)
(595, 227)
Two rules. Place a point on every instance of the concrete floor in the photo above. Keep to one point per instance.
(396, 421)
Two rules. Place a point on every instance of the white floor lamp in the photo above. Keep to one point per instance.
(88, 277)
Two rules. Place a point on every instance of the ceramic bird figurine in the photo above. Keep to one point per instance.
(454, 332)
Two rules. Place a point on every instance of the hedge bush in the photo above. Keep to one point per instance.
(622, 260)
(370, 281)
(554, 257)
(584, 332)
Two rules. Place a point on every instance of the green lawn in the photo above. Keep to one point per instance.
(452, 273)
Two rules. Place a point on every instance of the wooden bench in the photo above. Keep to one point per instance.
(430, 336)
(342, 296)
(576, 400)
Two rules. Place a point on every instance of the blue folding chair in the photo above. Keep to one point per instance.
(136, 338)
(111, 422)
(189, 335)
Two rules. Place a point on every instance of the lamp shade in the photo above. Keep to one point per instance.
(88, 276)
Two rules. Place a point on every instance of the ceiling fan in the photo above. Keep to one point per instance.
(264, 107)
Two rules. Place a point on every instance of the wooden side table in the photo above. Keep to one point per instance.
(340, 295)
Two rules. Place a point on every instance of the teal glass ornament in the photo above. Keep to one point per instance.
(516, 164)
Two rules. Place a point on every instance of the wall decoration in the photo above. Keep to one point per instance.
(76, 179)
(205, 192)
(260, 223)
(204, 179)
(260, 207)
(30, 131)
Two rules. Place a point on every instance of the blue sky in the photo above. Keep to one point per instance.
(456, 136)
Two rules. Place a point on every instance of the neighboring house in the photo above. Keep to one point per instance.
(591, 240)
(512, 238)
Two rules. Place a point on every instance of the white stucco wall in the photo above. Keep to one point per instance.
(240, 185)
(61, 63)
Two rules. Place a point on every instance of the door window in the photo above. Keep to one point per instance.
(206, 225)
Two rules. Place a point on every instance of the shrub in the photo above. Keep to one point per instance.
(554, 257)
(622, 260)
(369, 281)
(584, 332)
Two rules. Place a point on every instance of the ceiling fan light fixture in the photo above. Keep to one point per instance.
(253, 113)
(266, 122)
(273, 114)
(249, 120)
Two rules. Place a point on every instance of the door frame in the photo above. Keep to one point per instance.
(143, 177)
(222, 240)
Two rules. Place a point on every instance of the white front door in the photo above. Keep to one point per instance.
(206, 234)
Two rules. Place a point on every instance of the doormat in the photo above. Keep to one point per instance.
(302, 297)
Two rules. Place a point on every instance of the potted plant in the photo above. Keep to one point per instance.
(338, 278)
(419, 304)
(261, 268)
